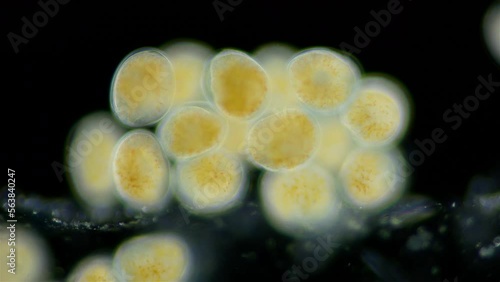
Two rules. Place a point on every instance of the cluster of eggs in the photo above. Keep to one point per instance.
(323, 133)
(189, 124)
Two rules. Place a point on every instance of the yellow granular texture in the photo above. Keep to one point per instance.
(301, 194)
(144, 87)
(321, 79)
(374, 116)
(215, 177)
(284, 140)
(154, 260)
(193, 131)
(239, 85)
(97, 273)
(141, 171)
(365, 177)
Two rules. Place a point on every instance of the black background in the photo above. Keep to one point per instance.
(64, 72)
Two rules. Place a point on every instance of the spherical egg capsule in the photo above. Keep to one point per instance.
(140, 171)
(142, 87)
(335, 144)
(284, 140)
(370, 178)
(96, 268)
(491, 30)
(212, 183)
(274, 58)
(238, 84)
(191, 130)
(323, 79)
(188, 59)
(153, 258)
(300, 202)
(25, 255)
(89, 158)
(379, 114)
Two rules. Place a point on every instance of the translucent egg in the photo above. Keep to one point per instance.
(274, 58)
(235, 141)
(191, 130)
(188, 59)
(153, 258)
(368, 177)
(142, 87)
(89, 158)
(379, 114)
(323, 79)
(30, 260)
(301, 201)
(93, 269)
(211, 183)
(335, 144)
(238, 84)
(140, 171)
(491, 30)
(284, 140)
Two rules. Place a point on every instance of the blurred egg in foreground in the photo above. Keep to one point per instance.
(89, 159)
(301, 201)
(211, 183)
(153, 258)
(30, 260)
(491, 30)
(274, 58)
(93, 269)
(188, 60)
